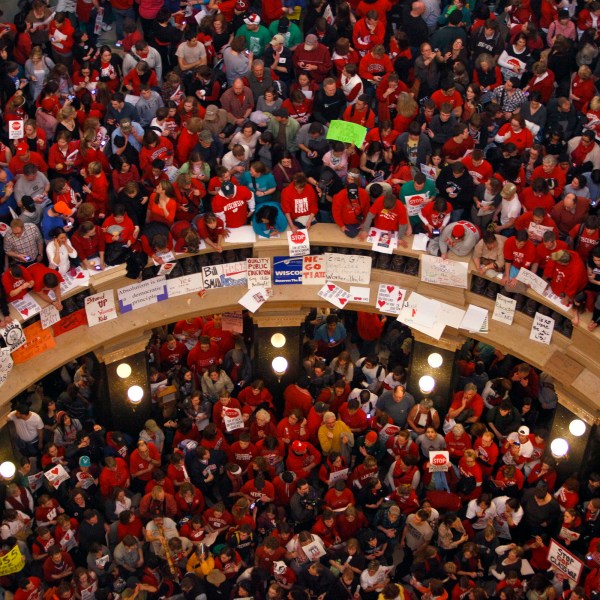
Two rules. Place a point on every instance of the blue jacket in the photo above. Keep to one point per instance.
(260, 228)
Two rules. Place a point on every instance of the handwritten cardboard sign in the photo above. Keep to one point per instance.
(348, 268)
(542, 328)
(100, 308)
(438, 271)
(504, 309)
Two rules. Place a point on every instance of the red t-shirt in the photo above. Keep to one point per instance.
(389, 219)
(299, 204)
(235, 208)
(519, 257)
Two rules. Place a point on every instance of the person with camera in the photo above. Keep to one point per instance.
(304, 505)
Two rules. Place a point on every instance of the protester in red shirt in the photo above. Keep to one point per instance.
(567, 274)
(387, 213)
(299, 203)
(234, 204)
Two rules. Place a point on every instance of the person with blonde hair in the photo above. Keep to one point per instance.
(583, 88)
(407, 109)
(37, 70)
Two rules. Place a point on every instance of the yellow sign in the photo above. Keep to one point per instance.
(11, 562)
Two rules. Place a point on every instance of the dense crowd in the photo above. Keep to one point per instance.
(324, 491)
(200, 118)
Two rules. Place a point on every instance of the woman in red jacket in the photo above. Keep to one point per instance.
(64, 158)
(90, 148)
(153, 147)
(96, 188)
(583, 88)
(61, 38)
(542, 81)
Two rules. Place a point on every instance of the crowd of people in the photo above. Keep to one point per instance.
(324, 490)
(201, 118)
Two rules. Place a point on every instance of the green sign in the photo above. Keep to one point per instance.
(351, 133)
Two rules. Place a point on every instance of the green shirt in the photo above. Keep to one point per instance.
(292, 37)
(408, 189)
(256, 41)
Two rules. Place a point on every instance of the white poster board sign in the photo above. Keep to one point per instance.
(298, 242)
(27, 306)
(565, 562)
(186, 284)
(100, 308)
(439, 460)
(542, 328)
(49, 315)
(529, 278)
(259, 272)
(438, 271)
(348, 268)
(253, 299)
(6, 364)
(504, 309)
(314, 270)
(142, 294)
(16, 129)
(13, 335)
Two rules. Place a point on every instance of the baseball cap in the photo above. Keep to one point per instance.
(353, 191)
(283, 113)
(242, 5)
(227, 189)
(298, 447)
(509, 190)
(371, 437)
(283, 24)
(252, 19)
(84, 461)
(61, 208)
(22, 148)
(311, 40)
(151, 425)
(458, 231)
(561, 256)
(277, 39)
(215, 577)
(523, 430)
(211, 112)
(205, 136)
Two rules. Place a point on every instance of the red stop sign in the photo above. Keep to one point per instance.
(298, 237)
(438, 460)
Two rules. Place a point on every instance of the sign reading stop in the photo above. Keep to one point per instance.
(439, 460)
(16, 129)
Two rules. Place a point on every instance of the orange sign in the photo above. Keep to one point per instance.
(38, 340)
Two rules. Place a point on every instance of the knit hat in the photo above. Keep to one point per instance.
(371, 437)
(242, 5)
(458, 231)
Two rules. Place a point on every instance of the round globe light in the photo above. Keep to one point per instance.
(278, 340)
(435, 360)
(577, 427)
(124, 370)
(135, 394)
(426, 384)
(559, 447)
(7, 469)
(280, 365)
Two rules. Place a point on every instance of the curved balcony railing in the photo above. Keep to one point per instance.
(573, 359)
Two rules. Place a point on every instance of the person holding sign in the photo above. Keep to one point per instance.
(386, 213)
(350, 208)
(567, 274)
(299, 203)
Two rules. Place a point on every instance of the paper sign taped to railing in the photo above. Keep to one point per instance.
(259, 272)
(100, 308)
(438, 271)
(542, 328)
(537, 284)
(504, 309)
(227, 275)
(142, 294)
(13, 335)
(187, 284)
(348, 268)
(313, 270)
(6, 364)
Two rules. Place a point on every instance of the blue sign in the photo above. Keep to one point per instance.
(287, 271)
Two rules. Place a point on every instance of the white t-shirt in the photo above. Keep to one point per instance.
(481, 522)
(510, 209)
(500, 522)
(27, 429)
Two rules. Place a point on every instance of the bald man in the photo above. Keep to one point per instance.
(414, 24)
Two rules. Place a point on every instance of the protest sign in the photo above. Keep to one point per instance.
(186, 284)
(16, 129)
(253, 299)
(142, 294)
(226, 275)
(287, 270)
(27, 306)
(298, 242)
(56, 475)
(259, 272)
(542, 328)
(335, 294)
(350, 133)
(439, 460)
(37, 340)
(474, 318)
(415, 203)
(532, 280)
(360, 294)
(49, 315)
(504, 309)
(313, 270)
(6, 364)
(565, 562)
(438, 271)
(13, 335)
(232, 419)
(390, 298)
(100, 308)
(11, 562)
(348, 268)
(385, 242)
